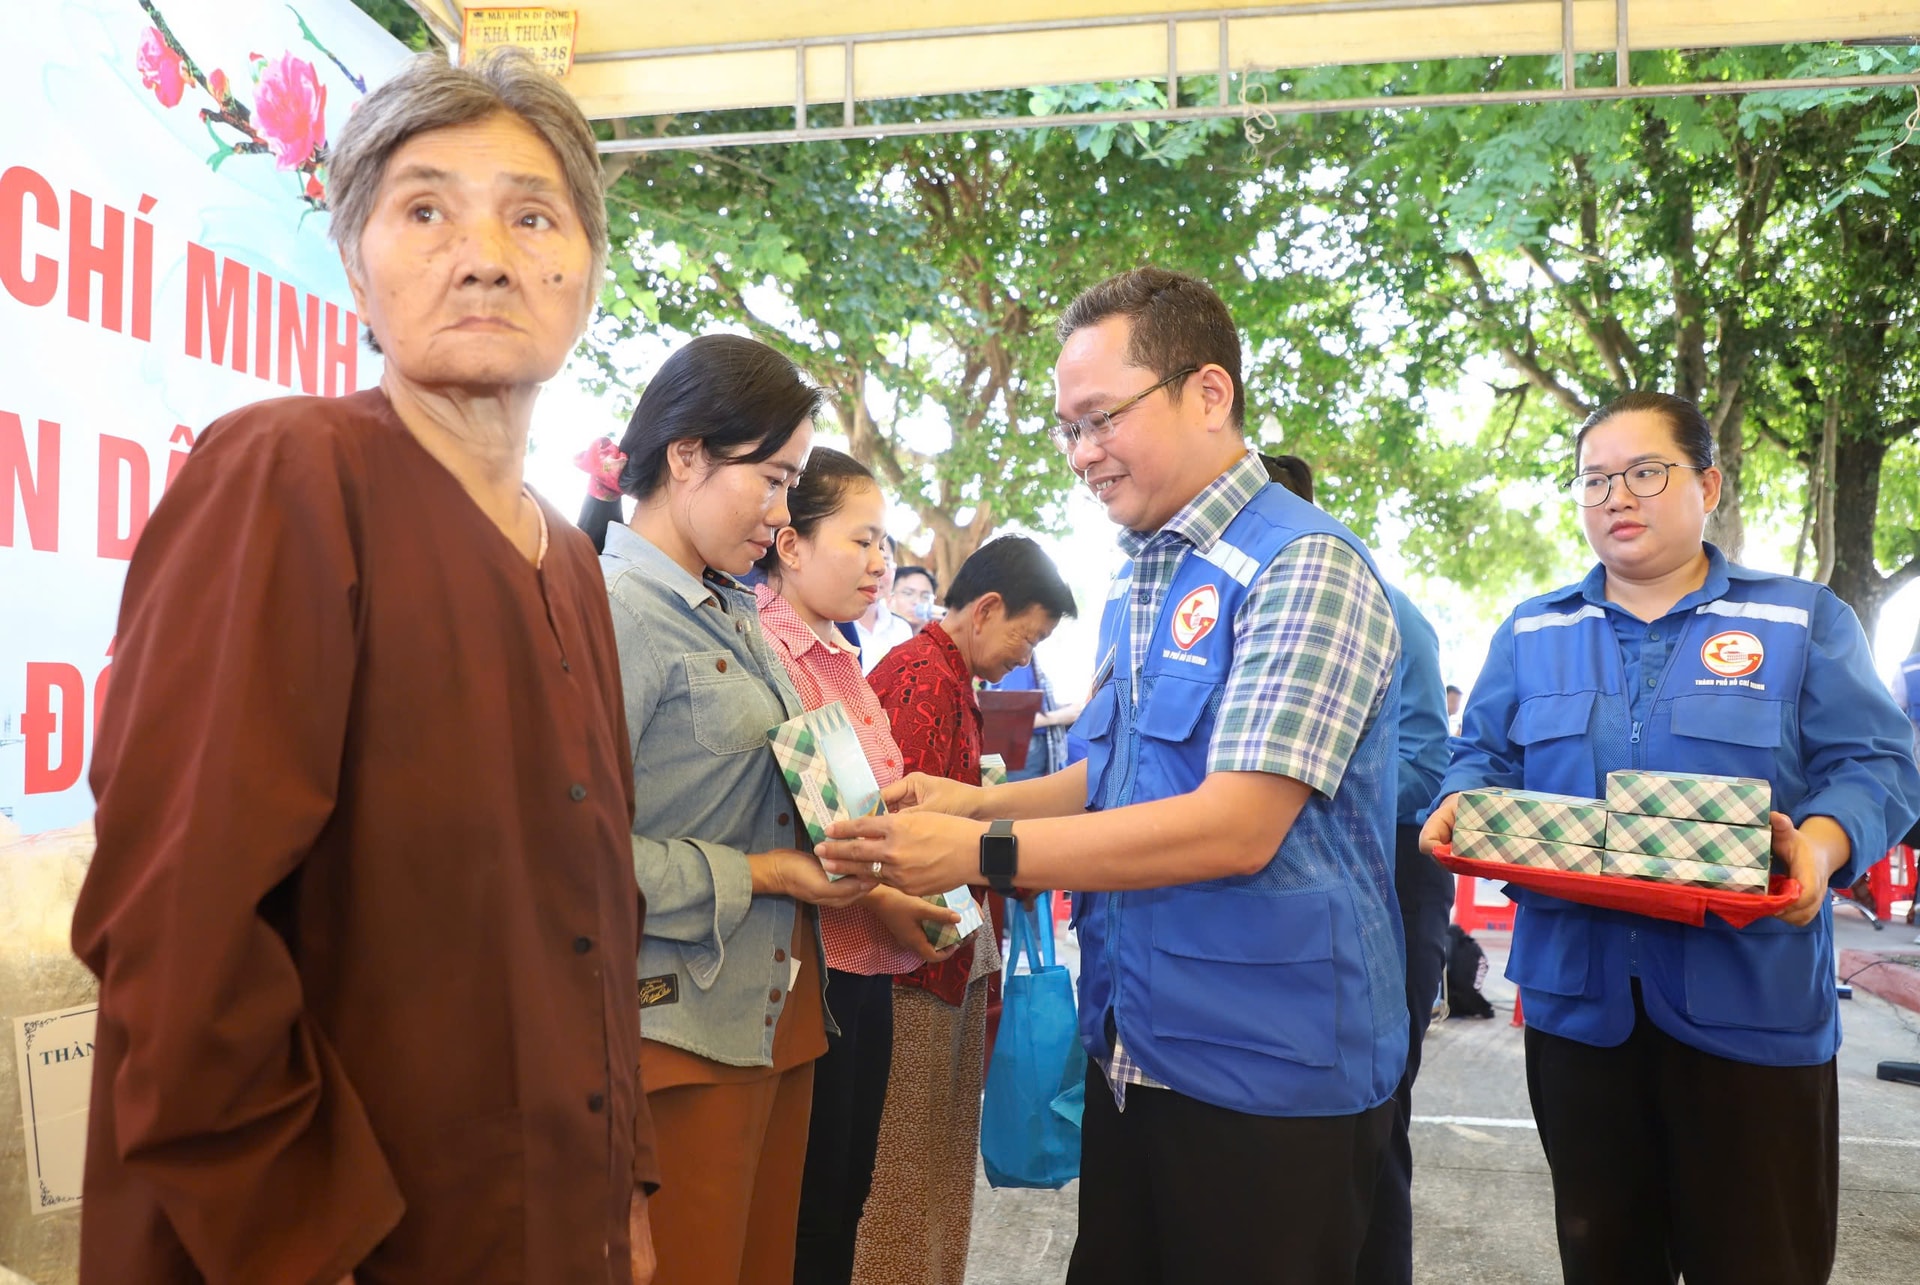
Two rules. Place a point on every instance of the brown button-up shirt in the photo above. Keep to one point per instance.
(363, 908)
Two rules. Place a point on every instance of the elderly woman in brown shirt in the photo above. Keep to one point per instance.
(363, 908)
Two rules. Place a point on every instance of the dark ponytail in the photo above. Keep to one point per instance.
(1690, 430)
(737, 397)
(817, 496)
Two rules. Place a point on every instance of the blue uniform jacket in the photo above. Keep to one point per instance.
(1422, 738)
(1279, 993)
(1755, 675)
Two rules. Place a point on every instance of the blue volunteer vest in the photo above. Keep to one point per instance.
(1910, 672)
(1727, 705)
(1279, 993)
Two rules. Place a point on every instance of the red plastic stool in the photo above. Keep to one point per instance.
(1477, 916)
(1891, 879)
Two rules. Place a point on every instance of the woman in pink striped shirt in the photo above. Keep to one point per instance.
(825, 568)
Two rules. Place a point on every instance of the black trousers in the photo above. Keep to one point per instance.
(1425, 892)
(849, 1094)
(1176, 1192)
(1667, 1160)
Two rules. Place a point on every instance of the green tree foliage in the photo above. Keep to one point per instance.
(1744, 253)
(918, 279)
(398, 17)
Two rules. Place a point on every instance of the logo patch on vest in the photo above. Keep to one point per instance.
(655, 991)
(1194, 618)
(1733, 654)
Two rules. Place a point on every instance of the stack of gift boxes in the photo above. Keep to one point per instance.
(1701, 831)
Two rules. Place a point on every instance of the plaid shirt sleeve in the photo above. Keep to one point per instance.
(1314, 651)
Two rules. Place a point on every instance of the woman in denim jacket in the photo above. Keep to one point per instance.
(733, 1012)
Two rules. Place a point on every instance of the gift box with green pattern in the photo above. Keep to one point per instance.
(1519, 850)
(1747, 846)
(825, 769)
(993, 769)
(1729, 800)
(961, 902)
(1698, 874)
(1528, 814)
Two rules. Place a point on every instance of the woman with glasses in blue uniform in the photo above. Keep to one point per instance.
(1683, 1078)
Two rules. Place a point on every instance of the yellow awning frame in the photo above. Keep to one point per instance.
(635, 61)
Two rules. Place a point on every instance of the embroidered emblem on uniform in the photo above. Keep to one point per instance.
(655, 991)
(1194, 618)
(1733, 654)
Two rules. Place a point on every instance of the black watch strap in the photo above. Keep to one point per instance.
(1000, 857)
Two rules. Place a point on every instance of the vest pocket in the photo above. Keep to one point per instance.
(1550, 717)
(1173, 708)
(1246, 972)
(1737, 720)
(1552, 947)
(1095, 727)
(1767, 977)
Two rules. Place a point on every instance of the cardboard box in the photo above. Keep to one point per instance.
(961, 901)
(1528, 814)
(1699, 874)
(1518, 850)
(1728, 800)
(1746, 846)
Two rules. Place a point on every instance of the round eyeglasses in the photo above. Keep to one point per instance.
(1646, 480)
(1097, 426)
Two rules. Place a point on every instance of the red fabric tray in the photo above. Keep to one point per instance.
(1677, 902)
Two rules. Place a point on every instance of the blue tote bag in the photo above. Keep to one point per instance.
(1030, 1119)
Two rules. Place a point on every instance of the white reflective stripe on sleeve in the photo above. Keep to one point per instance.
(1554, 619)
(1232, 561)
(1755, 611)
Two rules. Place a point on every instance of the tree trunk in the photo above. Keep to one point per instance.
(1856, 487)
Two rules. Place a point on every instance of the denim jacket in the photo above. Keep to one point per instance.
(702, 690)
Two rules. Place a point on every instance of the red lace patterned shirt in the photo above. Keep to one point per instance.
(927, 690)
(824, 672)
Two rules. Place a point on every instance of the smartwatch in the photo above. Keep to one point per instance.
(999, 857)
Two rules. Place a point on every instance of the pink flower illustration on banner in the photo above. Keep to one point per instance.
(217, 85)
(290, 105)
(161, 69)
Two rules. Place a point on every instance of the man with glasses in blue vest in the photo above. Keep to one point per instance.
(1229, 840)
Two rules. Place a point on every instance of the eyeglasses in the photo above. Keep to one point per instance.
(1646, 480)
(1097, 426)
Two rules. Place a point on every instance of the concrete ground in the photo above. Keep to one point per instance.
(1483, 1206)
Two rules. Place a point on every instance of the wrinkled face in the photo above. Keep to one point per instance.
(1003, 643)
(731, 512)
(835, 573)
(473, 265)
(1644, 536)
(1142, 473)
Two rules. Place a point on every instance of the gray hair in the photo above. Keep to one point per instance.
(428, 93)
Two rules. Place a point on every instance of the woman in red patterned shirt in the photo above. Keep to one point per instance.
(824, 568)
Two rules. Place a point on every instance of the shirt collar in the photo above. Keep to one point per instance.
(944, 648)
(1593, 588)
(1207, 515)
(627, 545)
(778, 618)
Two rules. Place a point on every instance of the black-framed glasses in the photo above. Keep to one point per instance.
(1645, 479)
(1097, 426)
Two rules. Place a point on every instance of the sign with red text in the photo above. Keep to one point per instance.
(163, 260)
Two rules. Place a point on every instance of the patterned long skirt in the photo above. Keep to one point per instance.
(920, 1215)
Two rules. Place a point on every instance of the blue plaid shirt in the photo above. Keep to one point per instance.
(1314, 648)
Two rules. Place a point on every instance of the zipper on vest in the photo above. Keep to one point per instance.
(1635, 738)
